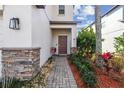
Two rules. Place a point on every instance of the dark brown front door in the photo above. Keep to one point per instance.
(62, 41)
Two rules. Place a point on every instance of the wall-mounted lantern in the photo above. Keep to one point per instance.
(14, 23)
(40, 6)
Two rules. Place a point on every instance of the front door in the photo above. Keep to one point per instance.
(62, 41)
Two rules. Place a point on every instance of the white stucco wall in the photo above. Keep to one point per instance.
(41, 33)
(53, 13)
(111, 28)
(1, 41)
(17, 38)
(1, 30)
(48, 10)
(93, 26)
(35, 30)
(61, 32)
(1, 7)
(68, 16)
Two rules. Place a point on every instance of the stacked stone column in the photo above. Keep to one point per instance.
(20, 63)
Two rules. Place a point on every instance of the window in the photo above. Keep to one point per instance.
(61, 9)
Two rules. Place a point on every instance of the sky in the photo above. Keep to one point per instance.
(85, 14)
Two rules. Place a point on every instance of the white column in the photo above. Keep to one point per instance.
(74, 34)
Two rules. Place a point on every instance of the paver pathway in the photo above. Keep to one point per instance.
(61, 76)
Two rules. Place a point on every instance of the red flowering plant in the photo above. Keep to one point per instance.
(105, 57)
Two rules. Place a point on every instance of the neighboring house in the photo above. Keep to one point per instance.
(41, 28)
(112, 26)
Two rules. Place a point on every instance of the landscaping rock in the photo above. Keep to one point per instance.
(40, 80)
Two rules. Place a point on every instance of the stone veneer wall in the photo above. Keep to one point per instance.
(21, 63)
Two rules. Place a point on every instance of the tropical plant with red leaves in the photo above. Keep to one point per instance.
(106, 55)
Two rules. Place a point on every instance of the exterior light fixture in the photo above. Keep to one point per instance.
(14, 23)
(40, 6)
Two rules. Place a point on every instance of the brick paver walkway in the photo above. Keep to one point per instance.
(61, 76)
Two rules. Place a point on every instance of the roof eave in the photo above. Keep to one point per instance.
(64, 22)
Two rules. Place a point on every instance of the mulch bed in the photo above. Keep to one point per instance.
(76, 75)
(103, 81)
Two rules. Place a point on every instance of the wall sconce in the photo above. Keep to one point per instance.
(14, 23)
(40, 6)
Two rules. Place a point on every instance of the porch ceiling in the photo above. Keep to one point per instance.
(60, 26)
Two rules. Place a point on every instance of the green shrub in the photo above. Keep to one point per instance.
(16, 83)
(85, 68)
(89, 78)
(50, 59)
(86, 42)
(87, 74)
(119, 44)
(87, 63)
(75, 59)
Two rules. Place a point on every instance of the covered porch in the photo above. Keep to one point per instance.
(63, 37)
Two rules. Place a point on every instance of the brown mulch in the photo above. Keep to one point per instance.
(103, 80)
(106, 81)
(76, 74)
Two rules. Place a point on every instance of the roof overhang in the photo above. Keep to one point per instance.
(64, 22)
